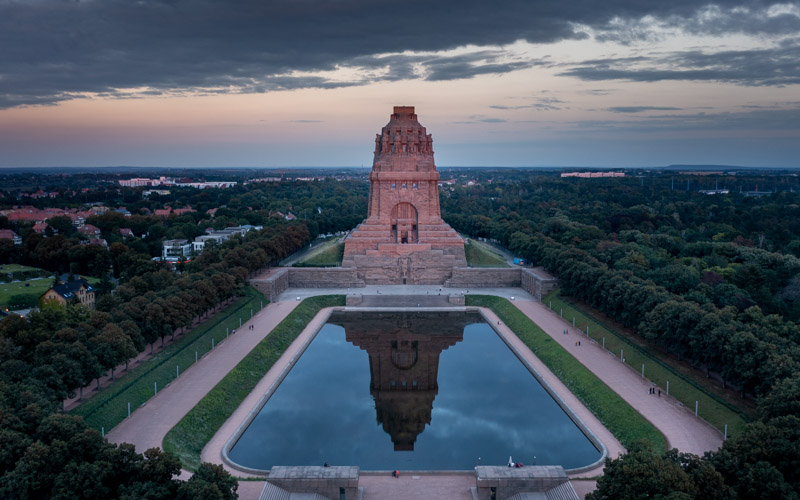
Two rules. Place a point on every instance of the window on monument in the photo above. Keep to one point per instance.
(394, 383)
(415, 186)
(414, 384)
(404, 383)
(394, 185)
(404, 186)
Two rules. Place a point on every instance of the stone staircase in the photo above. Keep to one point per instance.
(272, 492)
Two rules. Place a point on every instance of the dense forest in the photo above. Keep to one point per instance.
(711, 278)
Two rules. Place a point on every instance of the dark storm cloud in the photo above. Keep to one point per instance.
(773, 66)
(640, 109)
(54, 50)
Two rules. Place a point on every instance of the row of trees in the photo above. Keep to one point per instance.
(747, 348)
(57, 351)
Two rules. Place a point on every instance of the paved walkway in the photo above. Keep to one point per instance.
(678, 424)
(147, 426)
(212, 452)
(161, 413)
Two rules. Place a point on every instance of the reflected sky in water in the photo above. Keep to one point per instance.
(487, 405)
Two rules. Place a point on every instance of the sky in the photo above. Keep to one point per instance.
(274, 83)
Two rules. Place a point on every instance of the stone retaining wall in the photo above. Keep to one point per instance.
(331, 482)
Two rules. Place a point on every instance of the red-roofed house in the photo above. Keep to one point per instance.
(89, 230)
(126, 232)
(40, 227)
(181, 211)
(98, 241)
(163, 212)
(212, 211)
(7, 234)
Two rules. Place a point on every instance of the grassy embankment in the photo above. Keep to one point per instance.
(619, 417)
(110, 406)
(480, 254)
(191, 434)
(328, 254)
(685, 387)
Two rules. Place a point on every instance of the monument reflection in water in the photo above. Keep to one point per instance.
(444, 390)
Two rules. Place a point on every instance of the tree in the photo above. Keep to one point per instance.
(642, 474)
(210, 482)
(112, 347)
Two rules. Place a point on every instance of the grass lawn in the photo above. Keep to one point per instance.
(110, 406)
(683, 387)
(13, 268)
(480, 254)
(328, 254)
(191, 434)
(619, 417)
(35, 287)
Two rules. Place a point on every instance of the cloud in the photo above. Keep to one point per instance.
(56, 50)
(639, 109)
(782, 120)
(774, 66)
(541, 104)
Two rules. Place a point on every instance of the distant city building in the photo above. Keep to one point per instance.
(592, 175)
(162, 192)
(175, 249)
(63, 293)
(168, 181)
(221, 235)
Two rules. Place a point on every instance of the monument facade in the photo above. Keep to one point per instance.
(404, 240)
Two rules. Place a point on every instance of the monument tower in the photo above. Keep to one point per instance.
(404, 240)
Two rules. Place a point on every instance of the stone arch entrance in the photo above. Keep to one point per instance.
(404, 223)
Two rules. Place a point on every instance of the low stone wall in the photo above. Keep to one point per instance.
(509, 481)
(536, 283)
(484, 277)
(329, 482)
(272, 286)
(323, 277)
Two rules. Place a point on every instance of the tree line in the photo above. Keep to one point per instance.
(56, 351)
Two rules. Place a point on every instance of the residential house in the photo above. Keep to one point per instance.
(7, 234)
(89, 231)
(78, 289)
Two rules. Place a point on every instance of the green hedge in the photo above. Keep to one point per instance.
(625, 423)
(191, 434)
(110, 406)
(710, 407)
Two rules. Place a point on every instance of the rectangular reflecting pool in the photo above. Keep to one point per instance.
(411, 391)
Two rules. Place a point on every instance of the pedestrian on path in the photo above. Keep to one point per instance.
(659, 393)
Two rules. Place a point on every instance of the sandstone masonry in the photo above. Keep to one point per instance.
(404, 240)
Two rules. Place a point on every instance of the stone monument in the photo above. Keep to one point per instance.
(404, 240)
